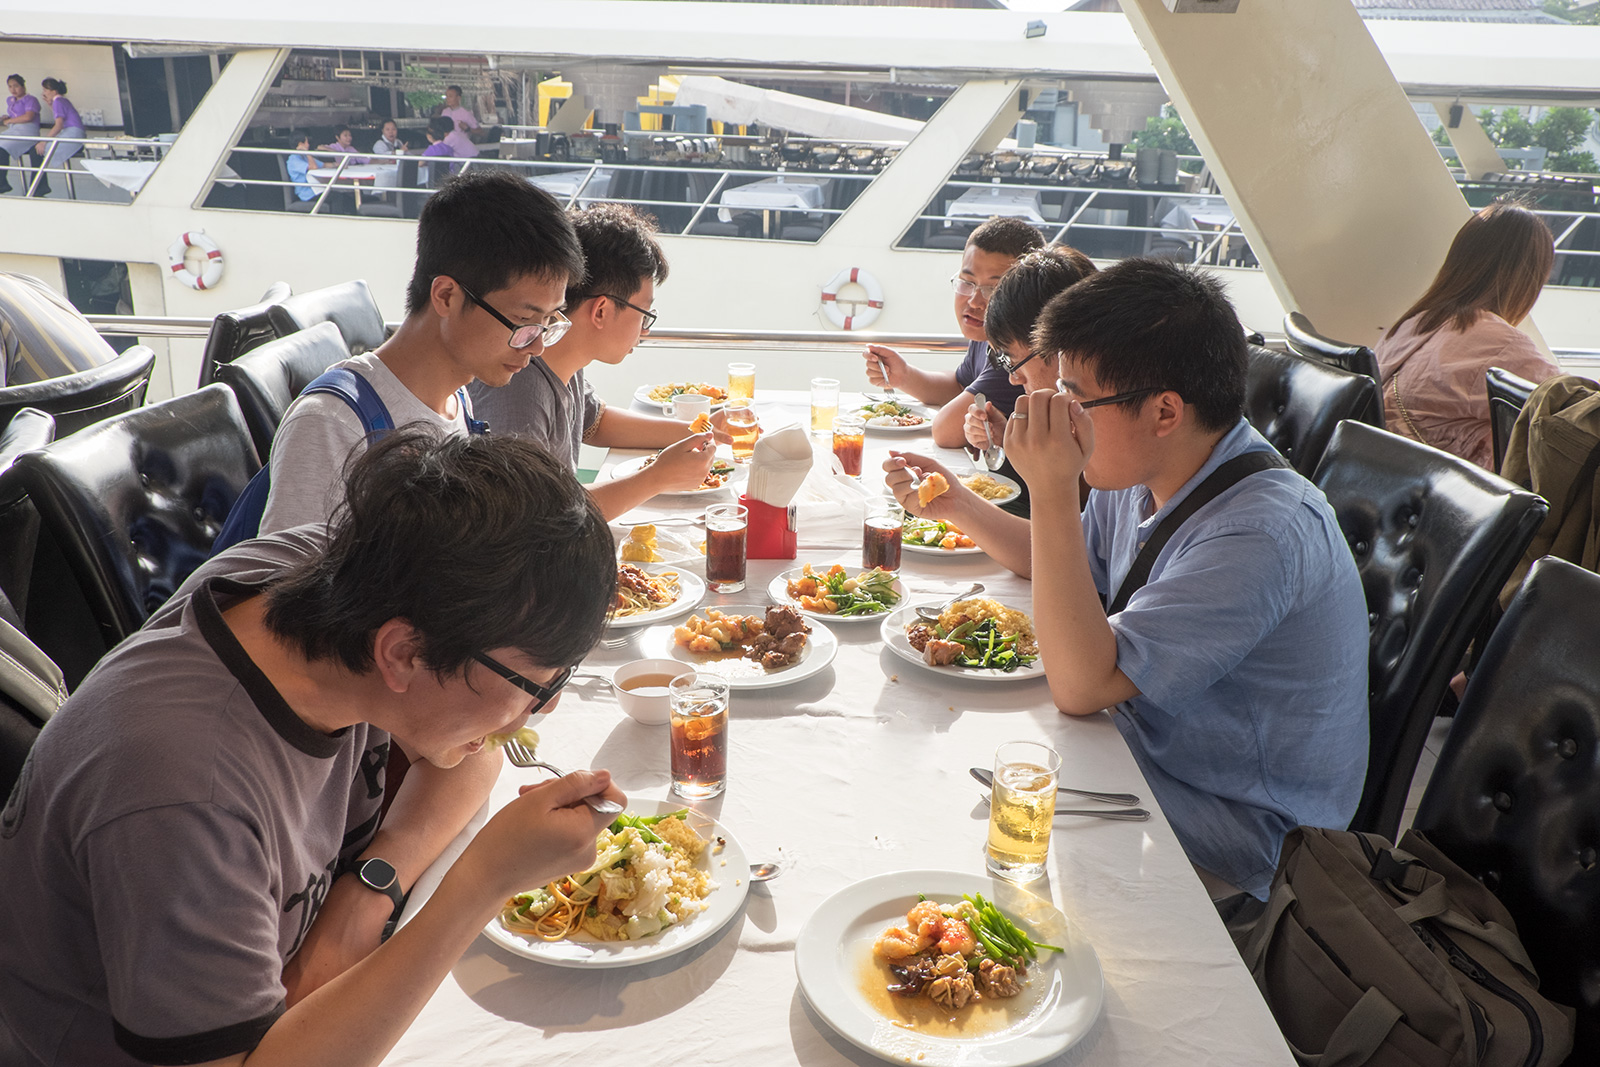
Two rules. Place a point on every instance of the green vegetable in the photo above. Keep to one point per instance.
(1000, 937)
(642, 823)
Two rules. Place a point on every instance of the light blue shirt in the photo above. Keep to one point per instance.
(298, 167)
(1249, 648)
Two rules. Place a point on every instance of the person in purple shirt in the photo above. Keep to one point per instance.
(343, 143)
(462, 122)
(67, 124)
(21, 125)
(438, 145)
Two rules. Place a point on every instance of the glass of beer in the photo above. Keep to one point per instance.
(726, 526)
(849, 438)
(741, 381)
(744, 428)
(881, 533)
(824, 404)
(1021, 809)
(699, 736)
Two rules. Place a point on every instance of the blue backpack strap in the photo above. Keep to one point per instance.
(473, 425)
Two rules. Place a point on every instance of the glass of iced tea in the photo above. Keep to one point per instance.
(726, 526)
(824, 404)
(849, 438)
(1021, 809)
(741, 381)
(881, 533)
(744, 428)
(699, 740)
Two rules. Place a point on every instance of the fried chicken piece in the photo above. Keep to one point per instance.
(933, 485)
(919, 635)
(939, 653)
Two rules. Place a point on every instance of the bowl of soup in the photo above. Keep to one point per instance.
(641, 688)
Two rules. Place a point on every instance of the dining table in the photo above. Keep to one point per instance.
(784, 192)
(994, 200)
(857, 771)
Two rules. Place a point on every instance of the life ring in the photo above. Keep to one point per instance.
(864, 316)
(206, 278)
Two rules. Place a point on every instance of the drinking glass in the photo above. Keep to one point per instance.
(881, 534)
(849, 438)
(824, 404)
(699, 736)
(726, 526)
(744, 428)
(741, 381)
(1021, 809)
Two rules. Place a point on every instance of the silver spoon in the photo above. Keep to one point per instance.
(987, 778)
(1123, 814)
(992, 456)
(932, 614)
(765, 872)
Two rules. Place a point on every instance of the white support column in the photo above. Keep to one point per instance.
(1470, 141)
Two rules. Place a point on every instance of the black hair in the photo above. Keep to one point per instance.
(19, 79)
(55, 85)
(440, 127)
(296, 136)
(339, 130)
(488, 229)
(1007, 236)
(457, 88)
(1149, 323)
(619, 252)
(478, 541)
(1027, 287)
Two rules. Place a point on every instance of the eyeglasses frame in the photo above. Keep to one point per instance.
(985, 291)
(549, 332)
(1116, 398)
(544, 694)
(650, 317)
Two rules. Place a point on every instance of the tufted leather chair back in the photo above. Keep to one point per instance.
(1434, 537)
(348, 306)
(1295, 403)
(267, 380)
(1508, 395)
(233, 333)
(127, 509)
(83, 399)
(1303, 340)
(1515, 796)
(19, 522)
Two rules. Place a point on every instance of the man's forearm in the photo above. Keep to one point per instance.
(1007, 538)
(949, 422)
(933, 387)
(620, 428)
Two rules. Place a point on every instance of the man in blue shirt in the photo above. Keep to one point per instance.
(299, 165)
(1238, 672)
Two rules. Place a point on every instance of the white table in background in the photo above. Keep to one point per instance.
(983, 203)
(564, 185)
(781, 193)
(131, 174)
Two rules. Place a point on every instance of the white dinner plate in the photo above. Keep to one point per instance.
(935, 550)
(637, 464)
(728, 868)
(833, 959)
(1011, 484)
(691, 590)
(642, 394)
(894, 636)
(821, 647)
(778, 590)
(926, 424)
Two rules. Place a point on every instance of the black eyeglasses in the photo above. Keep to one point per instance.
(1117, 398)
(649, 316)
(525, 335)
(966, 288)
(1002, 359)
(544, 694)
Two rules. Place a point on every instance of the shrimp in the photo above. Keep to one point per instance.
(957, 939)
(895, 944)
(702, 643)
(928, 921)
(819, 604)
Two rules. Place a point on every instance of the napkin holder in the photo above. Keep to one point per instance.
(772, 532)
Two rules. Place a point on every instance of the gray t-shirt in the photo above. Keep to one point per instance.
(320, 432)
(537, 404)
(172, 836)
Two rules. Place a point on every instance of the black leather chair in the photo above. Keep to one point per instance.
(1434, 537)
(233, 333)
(1295, 403)
(28, 429)
(127, 509)
(1303, 339)
(1515, 796)
(348, 306)
(267, 380)
(1507, 396)
(19, 522)
(31, 689)
(82, 399)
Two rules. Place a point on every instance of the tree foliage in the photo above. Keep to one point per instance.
(1168, 131)
(1560, 131)
(1577, 12)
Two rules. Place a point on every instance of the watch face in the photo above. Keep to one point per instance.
(377, 873)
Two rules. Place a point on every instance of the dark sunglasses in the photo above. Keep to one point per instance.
(526, 334)
(649, 316)
(544, 694)
(1116, 398)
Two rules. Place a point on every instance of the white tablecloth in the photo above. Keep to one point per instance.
(982, 203)
(131, 174)
(564, 185)
(858, 771)
(375, 175)
(775, 194)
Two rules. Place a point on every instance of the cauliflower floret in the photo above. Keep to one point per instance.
(652, 874)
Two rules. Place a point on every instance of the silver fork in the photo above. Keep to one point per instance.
(520, 756)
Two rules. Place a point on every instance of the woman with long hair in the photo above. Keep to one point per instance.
(67, 123)
(1432, 361)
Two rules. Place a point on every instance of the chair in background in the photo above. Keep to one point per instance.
(127, 509)
(348, 306)
(19, 522)
(233, 333)
(1507, 395)
(1303, 339)
(1295, 403)
(28, 429)
(1515, 795)
(31, 689)
(267, 380)
(1434, 538)
(82, 399)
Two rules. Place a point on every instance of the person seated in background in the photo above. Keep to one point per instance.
(1433, 360)
(301, 164)
(20, 127)
(196, 866)
(610, 311)
(42, 336)
(990, 251)
(495, 255)
(438, 129)
(389, 142)
(1018, 300)
(66, 123)
(1237, 672)
(344, 144)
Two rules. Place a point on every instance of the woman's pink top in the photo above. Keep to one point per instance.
(1441, 380)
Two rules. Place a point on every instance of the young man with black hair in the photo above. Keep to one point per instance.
(990, 251)
(192, 867)
(494, 258)
(611, 310)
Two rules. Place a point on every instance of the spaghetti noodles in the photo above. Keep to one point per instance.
(639, 591)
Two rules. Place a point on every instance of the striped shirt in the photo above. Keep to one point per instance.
(42, 336)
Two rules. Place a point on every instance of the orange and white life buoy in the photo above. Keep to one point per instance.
(211, 269)
(863, 314)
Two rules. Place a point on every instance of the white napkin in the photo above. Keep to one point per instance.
(779, 467)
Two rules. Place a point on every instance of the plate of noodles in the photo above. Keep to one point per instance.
(649, 594)
(995, 488)
(650, 901)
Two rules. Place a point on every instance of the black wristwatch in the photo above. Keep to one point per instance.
(380, 874)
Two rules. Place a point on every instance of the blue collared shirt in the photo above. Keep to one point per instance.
(299, 167)
(1249, 648)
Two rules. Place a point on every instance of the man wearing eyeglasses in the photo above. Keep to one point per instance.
(611, 311)
(494, 258)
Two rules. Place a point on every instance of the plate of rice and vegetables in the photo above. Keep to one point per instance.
(894, 416)
(978, 637)
(835, 593)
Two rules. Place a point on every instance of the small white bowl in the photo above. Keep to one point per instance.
(649, 704)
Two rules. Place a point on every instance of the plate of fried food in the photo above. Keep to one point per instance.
(747, 646)
(662, 395)
(895, 416)
(836, 593)
(647, 595)
(995, 488)
(980, 638)
(647, 543)
(936, 537)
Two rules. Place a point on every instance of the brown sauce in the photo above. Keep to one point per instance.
(921, 1014)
